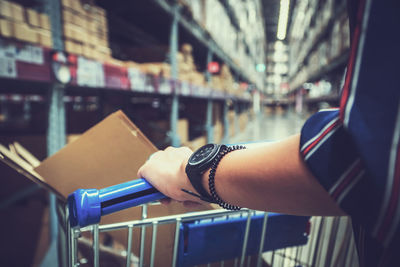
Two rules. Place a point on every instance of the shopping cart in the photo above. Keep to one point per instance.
(200, 237)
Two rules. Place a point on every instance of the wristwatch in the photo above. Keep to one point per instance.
(200, 161)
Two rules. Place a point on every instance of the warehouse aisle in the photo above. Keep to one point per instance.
(272, 126)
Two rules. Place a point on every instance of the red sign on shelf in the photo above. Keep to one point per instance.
(213, 67)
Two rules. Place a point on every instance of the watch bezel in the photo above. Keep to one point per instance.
(202, 164)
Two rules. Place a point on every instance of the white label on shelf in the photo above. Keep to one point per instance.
(7, 50)
(8, 67)
(90, 73)
(24, 53)
(149, 84)
(203, 91)
(164, 87)
(185, 88)
(30, 54)
(137, 79)
(37, 55)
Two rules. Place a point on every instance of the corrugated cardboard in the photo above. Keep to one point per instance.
(109, 153)
(32, 17)
(6, 28)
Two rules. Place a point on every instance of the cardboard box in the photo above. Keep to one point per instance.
(68, 31)
(66, 3)
(76, 5)
(6, 28)
(44, 22)
(183, 130)
(88, 51)
(67, 16)
(17, 12)
(5, 9)
(243, 120)
(33, 17)
(45, 38)
(75, 33)
(196, 143)
(25, 33)
(69, 46)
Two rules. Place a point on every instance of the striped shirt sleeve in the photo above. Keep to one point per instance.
(354, 151)
(331, 155)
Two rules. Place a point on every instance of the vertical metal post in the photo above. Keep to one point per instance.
(73, 248)
(317, 248)
(142, 237)
(129, 248)
(236, 120)
(262, 239)
(56, 120)
(153, 243)
(332, 241)
(246, 238)
(55, 140)
(174, 75)
(209, 122)
(96, 256)
(53, 9)
(176, 242)
(226, 123)
(209, 118)
(70, 248)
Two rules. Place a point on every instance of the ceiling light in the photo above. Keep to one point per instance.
(283, 19)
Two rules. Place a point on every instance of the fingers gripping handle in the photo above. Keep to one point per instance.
(86, 206)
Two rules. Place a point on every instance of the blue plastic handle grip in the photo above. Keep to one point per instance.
(86, 206)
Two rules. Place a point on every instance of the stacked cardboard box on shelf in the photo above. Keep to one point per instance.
(187, 69)
(161, 69)
(243, 120)
(218, 124)
(345, 32)
(85, 29)
(224, 81)
(24, 24)
(227, 79)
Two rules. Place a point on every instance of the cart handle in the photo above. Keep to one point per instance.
(86, 206)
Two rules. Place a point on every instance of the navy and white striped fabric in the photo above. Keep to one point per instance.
(354, 150)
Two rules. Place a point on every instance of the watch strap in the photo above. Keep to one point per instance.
(196, 181)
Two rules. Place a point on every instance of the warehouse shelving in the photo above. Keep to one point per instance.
(202, 36)
(339, 9)
(304, 69)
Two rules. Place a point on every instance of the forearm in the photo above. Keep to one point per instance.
(272, 178)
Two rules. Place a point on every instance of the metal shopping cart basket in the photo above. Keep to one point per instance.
(200, 237)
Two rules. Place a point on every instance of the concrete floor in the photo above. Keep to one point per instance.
(272, 126)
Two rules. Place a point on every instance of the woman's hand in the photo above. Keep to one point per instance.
(165, 170)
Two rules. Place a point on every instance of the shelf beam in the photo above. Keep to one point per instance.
(336, 64)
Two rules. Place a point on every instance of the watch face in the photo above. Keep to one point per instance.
(202, 154)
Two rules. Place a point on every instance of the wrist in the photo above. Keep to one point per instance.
(197, 166)
(211, 177)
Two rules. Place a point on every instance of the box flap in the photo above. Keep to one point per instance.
(25, 154)
(21, 166)
(109, 153)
